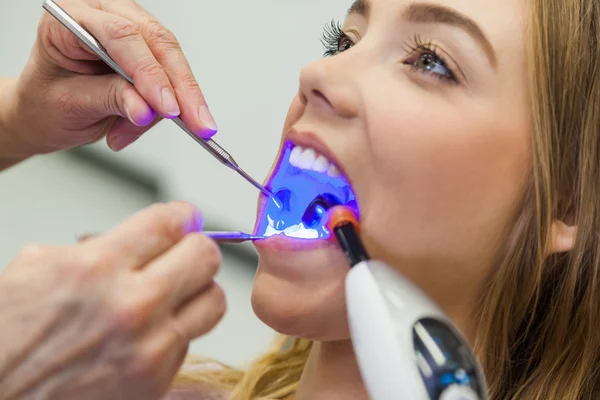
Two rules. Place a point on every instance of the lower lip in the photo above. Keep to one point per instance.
(286, 244)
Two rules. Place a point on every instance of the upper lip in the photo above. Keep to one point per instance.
(313, 141)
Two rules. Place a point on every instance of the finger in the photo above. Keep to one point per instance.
(126, 45)
(103, 96)
(166, 49)
(201, 314)
(35, 255)
(187, 269)
(146, 235)
(58, 39)
(124, 132)
(85, 237)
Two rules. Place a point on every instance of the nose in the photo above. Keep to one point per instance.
(329, 86)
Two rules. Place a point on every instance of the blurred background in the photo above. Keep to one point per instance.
(247, 56)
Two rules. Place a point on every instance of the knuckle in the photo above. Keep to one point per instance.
(164, 223)
(150, 68)
(121, 29)
(132, 314)
(32, 252)
(189, 82)
(88, 267)
(147, 363)
(156, 34)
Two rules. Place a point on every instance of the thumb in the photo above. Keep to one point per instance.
(109, 95)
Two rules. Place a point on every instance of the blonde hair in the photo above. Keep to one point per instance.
(275, 375)
(537, 332)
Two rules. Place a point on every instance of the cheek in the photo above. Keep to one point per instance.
(445, 181)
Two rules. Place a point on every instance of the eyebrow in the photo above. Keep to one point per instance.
(435, 13)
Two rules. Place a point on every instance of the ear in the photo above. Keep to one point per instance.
(562, 237)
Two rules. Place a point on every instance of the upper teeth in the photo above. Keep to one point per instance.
(308, 159)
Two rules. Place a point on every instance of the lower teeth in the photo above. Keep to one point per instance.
(296, 231)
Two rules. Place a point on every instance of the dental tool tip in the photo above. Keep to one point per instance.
(260, 187)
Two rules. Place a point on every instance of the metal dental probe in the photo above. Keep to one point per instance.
(219, 237)
(88, 39)
(232, 237)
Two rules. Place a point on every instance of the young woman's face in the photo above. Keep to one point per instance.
(423, 109)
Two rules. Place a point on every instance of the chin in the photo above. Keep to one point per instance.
(314, 311)
(299, 285)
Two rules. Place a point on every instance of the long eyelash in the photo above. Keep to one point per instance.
(332, 36)
(417, 45)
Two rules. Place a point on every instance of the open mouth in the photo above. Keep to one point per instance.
(306, 184)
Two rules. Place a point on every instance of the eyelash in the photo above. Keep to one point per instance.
(334, 39)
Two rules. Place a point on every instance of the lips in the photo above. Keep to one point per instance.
(307, 170)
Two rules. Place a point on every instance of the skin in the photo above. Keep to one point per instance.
(65, 97)
(378, 118)
(438, 169)
(110, 317)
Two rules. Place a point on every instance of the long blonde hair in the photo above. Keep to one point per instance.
(538, 329)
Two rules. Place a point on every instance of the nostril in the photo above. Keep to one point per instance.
(319, 95)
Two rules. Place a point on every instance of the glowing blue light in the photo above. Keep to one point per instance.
(296, 189)
(447, 379)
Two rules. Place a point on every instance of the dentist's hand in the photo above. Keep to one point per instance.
(66, 97)
(111, 317)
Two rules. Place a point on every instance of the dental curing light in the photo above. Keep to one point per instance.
(406, 348)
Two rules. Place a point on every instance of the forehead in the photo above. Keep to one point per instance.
(501, 21)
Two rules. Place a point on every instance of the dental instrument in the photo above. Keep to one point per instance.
(219, 237)
(232, 237)
(93, 44)
(406, 347)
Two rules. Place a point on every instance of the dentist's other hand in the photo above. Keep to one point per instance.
(111, 317)
(67, 97)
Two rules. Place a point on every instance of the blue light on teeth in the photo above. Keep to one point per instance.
(296, 189)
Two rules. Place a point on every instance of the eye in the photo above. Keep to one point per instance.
(334, 39)
(345, 43)
(424, 58)
(432, 64)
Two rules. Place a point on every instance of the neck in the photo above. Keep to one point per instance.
(331, 373)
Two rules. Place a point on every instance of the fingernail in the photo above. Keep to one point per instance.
(195, 223)
(170, 103)
(119, 142)
(207, 119)
(129, 117)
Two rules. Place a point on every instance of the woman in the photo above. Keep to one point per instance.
(470, 134)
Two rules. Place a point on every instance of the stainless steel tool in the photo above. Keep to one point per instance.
(90, 41)
(219, 237)
(232, 237)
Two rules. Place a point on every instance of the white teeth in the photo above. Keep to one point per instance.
(308, 158)
(321, 164)
(333, 171)
(295, 231)
(295, 156)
